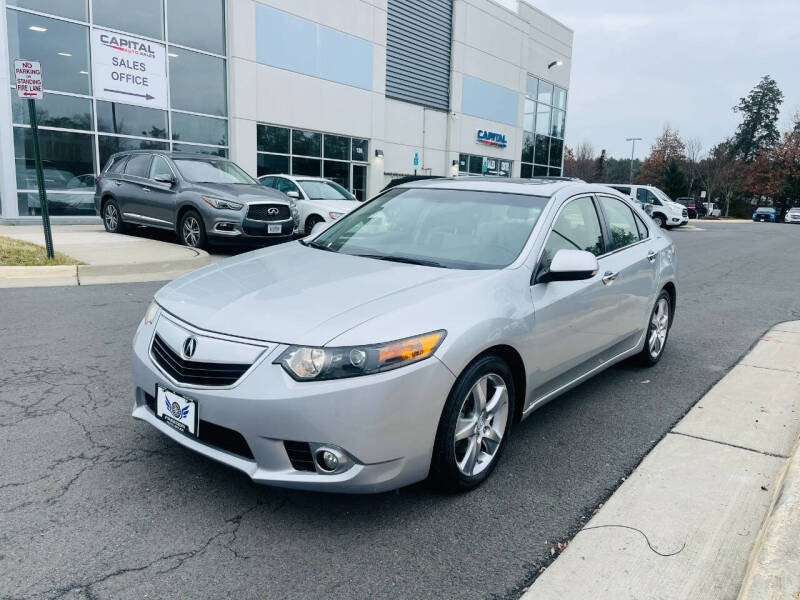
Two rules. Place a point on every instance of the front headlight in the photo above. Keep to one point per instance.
(222, 204)
(319, 364)
(335, 215)
(151, 313)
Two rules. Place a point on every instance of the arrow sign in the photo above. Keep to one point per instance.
(145, 96)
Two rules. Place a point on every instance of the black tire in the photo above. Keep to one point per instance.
(660, 220)
(112, 217)
(192, 230)
(647, 358)
(311, 221)
(445, 472)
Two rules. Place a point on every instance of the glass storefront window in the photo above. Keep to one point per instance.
(360, 150)
(545, 94)
(543, 128)
(71, 9)
(142, 17)
(109, 145)
(205, 30)
(557, 128)
(541, 149)
(67, 159)
(560, 98)
(193, 149)
(203, 130)
(360, 182)
(556, 150)
(272, 139)
(527, 147)
(125, 119)
(311, 167)
(192, 71)
(469, 164)
(272, 164)
(62, 48)
(336, 146)
(54, 110)
(542, 119)
(338, 172)
(306, 143)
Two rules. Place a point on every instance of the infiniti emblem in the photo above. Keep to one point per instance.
(189, 346)
(273, 211)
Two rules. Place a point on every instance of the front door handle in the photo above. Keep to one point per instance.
(651, 256)
(117, 182)
(608, 277)
(145, 189)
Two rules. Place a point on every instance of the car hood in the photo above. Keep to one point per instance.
(298, 295)
(340, 206)
(240, 192)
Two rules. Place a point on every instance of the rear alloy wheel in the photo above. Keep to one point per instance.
(112, 218)
(475, 424)
(657, 331)
(311, 221)
(192, 232)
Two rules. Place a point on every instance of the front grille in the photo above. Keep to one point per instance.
(215, 435)
(195, 373)
(266, 212)
(300, 456)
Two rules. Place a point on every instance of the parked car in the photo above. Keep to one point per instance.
(695, 208)
(793, 215)
(367, 358)
(765, 213)
(664, 211)
(713, 210)
(200, 197)
(318, 200)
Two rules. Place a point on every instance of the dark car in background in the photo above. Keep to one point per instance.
(765, 214)
(202, 198)
(693, 206)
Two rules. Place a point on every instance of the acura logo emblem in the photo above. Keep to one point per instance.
(273, 211)
(189, 346)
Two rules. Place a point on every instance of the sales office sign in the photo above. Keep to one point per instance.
(128, 69)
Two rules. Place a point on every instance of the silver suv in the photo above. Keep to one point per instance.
(199, 197)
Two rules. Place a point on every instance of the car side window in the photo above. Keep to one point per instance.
(118, 165)
(267, 182)
(138, 165)
(641, 196)
(576, 228)
(621, 222)
(159, 166)
(623, 189)
(652, 199)
(643, 232)
(285, 186)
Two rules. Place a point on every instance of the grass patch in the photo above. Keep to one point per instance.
(16, 253)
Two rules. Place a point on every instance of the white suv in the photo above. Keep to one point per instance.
(665, 212)
(318, 200)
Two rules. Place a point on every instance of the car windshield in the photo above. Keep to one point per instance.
(765, 209)
(209, 170)
(436, 227)
(324, 190)
(662, 196)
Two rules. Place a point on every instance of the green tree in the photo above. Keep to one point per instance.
(599, 171)
(674, 180)
(760, 110)
(666, 148)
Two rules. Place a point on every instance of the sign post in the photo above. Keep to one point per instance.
(28, 79)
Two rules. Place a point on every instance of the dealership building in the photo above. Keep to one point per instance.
(358, 91)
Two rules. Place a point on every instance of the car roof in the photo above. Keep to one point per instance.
(531, 187)
(303, 177)
(169, 154)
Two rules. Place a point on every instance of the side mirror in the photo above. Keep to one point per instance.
(570, 265)
(170, 179)
(294, 195)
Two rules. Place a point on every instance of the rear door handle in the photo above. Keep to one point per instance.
(608, 277)
(117, 182)
(145, 189)
(651, 256)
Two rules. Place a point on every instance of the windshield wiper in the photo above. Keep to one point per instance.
(404, 259)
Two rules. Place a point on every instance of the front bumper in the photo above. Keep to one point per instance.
(250, 230)
(385, 423)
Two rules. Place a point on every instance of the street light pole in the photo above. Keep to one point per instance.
(633, 146)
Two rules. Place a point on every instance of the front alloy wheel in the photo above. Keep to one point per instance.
(657, 331)
(659, 220)
(192, 232)
(474, 426)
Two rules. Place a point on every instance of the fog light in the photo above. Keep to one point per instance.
(330, 461)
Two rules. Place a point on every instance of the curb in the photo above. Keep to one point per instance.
(774, 568)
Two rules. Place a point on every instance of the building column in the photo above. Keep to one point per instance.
(9, 208)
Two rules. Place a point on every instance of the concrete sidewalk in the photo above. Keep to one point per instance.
(714, 510)
(108, 258)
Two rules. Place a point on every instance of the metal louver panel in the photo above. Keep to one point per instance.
(419, 34)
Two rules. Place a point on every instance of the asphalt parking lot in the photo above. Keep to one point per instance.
(95, 505)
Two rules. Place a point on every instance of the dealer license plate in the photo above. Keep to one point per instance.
(274, 228)
(176, 411)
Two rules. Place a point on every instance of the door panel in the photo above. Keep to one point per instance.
(158, 199)
(131, 195)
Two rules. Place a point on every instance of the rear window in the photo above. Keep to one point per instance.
(117, 164)
(138, 165)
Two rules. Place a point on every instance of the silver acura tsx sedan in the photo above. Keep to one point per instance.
(402, 342)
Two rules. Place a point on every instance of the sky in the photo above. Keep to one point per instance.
(637, 66)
